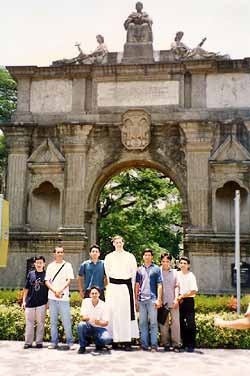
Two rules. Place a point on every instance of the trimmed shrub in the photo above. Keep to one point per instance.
(208, 336)
(216, 304)
(12, 326)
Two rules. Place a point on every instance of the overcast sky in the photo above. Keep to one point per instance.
(36, 32)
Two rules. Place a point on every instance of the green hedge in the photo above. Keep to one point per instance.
(12, 325)
(203, 303)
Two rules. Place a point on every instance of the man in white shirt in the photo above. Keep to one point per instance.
(59, 275)
(94, 321)
(188, 289)
(120, 268)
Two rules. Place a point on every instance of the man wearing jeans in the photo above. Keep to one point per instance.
(58, 278)
(170, 299)
(94, 321)
(149, 297)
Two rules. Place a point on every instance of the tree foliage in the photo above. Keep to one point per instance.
(8, 95)
(144, 207)
(8, 98)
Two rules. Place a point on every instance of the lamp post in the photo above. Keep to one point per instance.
(237, 247)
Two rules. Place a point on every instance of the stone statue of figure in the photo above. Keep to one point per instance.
(97, 56)
(139, 26)
(181, 50)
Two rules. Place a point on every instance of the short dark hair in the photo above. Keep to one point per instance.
(94, 246)
(167, 255)
(58, 246)
(148, 250)
(95, 288)
(100, 37)
(184, 258)
(39, 258)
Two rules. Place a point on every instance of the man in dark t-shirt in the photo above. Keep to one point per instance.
(35, 298)
(91, 273)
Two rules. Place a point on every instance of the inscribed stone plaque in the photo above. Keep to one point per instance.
(51, 96)
(138, 93)
(228, 90)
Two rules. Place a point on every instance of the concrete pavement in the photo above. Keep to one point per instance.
(15, 361)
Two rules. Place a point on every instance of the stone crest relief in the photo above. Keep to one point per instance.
(136, 129)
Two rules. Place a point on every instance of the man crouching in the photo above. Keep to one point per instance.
(94, 322)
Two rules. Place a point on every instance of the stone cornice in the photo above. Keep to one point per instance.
(116, 70)
(159, 116)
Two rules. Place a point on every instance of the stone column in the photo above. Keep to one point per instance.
(18, 139)
(75, 146)
(197, 150)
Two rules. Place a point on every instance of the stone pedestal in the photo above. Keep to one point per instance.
(138, 53)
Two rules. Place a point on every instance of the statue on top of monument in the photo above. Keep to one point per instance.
(97, 56)
(182, 51)
(139, 26)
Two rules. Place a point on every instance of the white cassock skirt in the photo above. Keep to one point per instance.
(118, 300)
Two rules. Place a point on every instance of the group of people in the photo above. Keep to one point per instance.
(115, 292)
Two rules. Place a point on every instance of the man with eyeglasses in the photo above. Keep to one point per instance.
(59, 275)
(187, 290)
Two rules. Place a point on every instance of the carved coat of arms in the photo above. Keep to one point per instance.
(136, 129)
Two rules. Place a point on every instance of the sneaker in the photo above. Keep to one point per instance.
(115, 346)
(176, 349)
(143, 348)
(167, 348)
(27, 346)
(52, 346)
(39, 345)
(190, 349)
(154, 349)
(127, 347)
(101, 348)
(81, 350)
(72, 346)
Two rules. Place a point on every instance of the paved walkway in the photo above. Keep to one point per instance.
(15, 361)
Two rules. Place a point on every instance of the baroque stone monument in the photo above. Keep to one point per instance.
(77, 124)
(139, 43)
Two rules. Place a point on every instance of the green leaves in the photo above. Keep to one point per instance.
(144, 207)
(8, 95)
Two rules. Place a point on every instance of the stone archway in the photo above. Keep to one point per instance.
(102, 179)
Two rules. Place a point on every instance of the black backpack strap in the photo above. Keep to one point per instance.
(58, 272)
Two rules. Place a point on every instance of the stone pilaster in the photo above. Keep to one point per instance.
(18, 139)
(197, 150)
(75, 146)
(23, 101)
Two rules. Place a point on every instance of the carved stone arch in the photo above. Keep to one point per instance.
(40, 179)
(44, 207)
(223, 206)
(100, 181)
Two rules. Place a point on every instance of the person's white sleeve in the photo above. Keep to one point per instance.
(48, 275)
(83, 310)
(70, 273)
(193, 283)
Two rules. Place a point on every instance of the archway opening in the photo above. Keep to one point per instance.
(145, 207)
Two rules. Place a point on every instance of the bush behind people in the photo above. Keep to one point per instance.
(12, 325)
